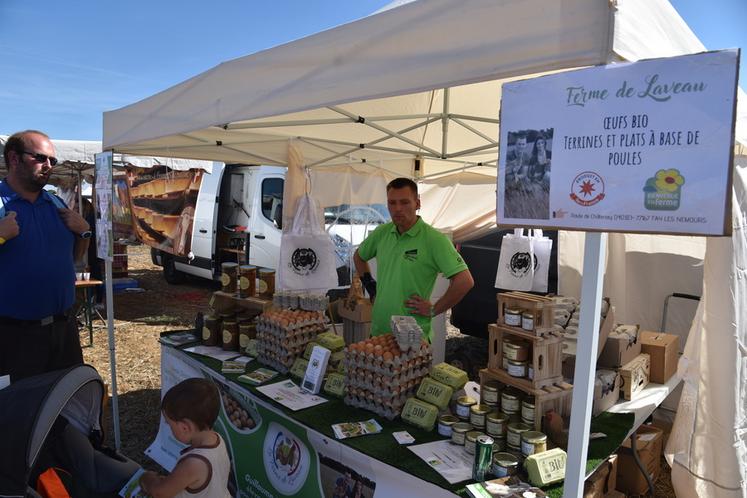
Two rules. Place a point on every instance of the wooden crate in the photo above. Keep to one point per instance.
(546, 356)
(635, 375)
(223, 302)
(540, 306)
(556, 397)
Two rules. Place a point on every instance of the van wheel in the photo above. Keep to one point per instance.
(170, 273)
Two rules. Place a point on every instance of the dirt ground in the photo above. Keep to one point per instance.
(139, 318)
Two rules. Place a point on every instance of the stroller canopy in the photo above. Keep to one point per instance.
(30, 408)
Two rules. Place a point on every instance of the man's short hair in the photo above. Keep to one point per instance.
(402, 183)
(521, 135)
(16, 143)
(196, 400)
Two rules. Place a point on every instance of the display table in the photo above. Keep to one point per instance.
(89, 311)
(317, 459)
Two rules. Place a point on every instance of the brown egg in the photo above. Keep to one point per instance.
(387, 356)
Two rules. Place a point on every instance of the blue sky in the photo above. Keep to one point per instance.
(62, 63)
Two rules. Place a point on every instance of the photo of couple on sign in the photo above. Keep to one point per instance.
(527, 177)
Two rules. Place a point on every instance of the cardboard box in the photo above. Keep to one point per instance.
(619, 348)
(606, 391)
(664, 351)
(630, 479)
(602, 480)
(356, 310)
(634, 375)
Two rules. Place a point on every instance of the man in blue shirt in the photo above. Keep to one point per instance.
(38, 331)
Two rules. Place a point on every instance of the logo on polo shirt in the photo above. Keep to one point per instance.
(411, 255)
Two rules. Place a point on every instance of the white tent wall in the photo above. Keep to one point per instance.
(708, 445)
(396, 86)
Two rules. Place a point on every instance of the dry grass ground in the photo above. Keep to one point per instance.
(139, 318)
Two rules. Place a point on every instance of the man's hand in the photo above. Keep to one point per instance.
(418, 305)
(9, 226)
(73, 221)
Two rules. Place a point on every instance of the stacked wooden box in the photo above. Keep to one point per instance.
(546, 384)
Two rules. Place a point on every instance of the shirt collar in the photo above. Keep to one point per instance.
(413, 231)
(9, 194)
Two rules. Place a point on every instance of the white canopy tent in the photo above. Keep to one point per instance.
(415, 90)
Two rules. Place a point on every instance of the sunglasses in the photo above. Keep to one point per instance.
(42, 158)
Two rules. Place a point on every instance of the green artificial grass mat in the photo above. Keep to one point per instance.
(384, 448)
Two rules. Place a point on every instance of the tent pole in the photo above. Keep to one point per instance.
(80, 194)
(445, 124)
(595, 250)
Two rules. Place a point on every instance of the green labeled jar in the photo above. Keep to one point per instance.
(514, 432)
(496, 423)
(533, 442)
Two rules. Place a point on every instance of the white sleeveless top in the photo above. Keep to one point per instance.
(216, 458)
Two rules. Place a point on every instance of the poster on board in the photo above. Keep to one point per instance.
(103, 193)
(632, 147)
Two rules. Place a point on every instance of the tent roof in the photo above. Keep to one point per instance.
(79, 155)
(380, 81)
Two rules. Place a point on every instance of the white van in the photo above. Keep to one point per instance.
(238, 218)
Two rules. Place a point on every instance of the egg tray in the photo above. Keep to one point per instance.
(382, 384)
(281, 366)
(287, 342)
(387, 407)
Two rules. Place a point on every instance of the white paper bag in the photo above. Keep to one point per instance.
(516, 262)
(541, 249)
(307, 254)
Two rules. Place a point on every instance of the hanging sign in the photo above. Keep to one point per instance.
(634, 147)
(103, 196)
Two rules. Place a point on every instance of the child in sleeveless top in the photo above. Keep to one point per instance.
(190, 408)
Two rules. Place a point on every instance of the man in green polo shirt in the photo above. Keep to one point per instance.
(409, 255)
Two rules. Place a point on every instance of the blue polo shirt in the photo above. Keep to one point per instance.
(37, 272)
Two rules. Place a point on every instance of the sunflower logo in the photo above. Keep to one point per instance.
(668, 180)
(662, 191)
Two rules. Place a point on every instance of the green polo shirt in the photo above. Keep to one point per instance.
(407, 264)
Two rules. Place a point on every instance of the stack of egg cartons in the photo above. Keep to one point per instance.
(380, 374)
(282, 335)
(567, 312)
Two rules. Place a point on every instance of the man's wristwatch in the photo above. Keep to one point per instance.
(85, 235)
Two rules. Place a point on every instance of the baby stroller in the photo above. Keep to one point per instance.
(53, 420)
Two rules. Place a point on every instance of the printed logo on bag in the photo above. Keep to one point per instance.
(587, 189)
(662, 191)
(521, 263)
(304, 261)
(286, 459)
(411, 255)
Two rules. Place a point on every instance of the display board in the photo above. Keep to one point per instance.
(104, 192)
(163, 206)
(273, 455)
(629, 147)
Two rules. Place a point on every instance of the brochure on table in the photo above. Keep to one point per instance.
(450, 460)
(629, 147)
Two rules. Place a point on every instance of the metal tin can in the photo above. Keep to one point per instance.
(470, 441)
(533, 442)
(515, 350)
(445, 423)
(483, 457)
(247, 280)
(266, 287)
(230, 335)
(512, 316)
(459, 432)
(211, 330)
(463, 406)
(527, 410)
(505, 464)
(489, 392)
(477, 414)
(499, 443)
(513, 434)
(496, 424)
(517, 368)
(527, 320)
(510, 400)
(229, 272)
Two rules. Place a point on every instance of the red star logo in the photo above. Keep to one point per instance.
(587, 188)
